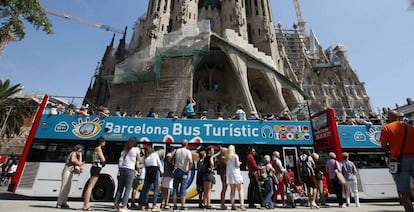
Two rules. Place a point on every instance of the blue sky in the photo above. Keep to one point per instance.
(379, 36)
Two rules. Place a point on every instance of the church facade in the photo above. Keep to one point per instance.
(223, 53)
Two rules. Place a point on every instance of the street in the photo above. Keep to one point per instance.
(12, 202)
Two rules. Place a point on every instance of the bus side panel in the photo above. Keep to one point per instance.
(45, 179)
(16, 178)
(376, 184)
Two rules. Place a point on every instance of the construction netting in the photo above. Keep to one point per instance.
(146, 64)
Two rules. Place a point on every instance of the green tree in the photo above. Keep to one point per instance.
(13, 111)
(12, 14)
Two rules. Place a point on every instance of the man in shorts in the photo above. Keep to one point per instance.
(183, 162)
(392, 137)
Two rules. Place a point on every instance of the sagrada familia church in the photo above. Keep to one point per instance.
(223, 53)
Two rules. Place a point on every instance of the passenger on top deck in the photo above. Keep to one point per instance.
(240, 114)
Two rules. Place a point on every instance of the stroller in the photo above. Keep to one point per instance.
(294, 193)
(260, 186)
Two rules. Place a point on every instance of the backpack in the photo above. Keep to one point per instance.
(169, 161)
(200, 166)
(304, 168)
(205, 166)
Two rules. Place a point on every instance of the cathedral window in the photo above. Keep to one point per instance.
(165, 6)
(248, 8)
(169, 26)
(158, 5)
(263, 10)
(152, 7)
(172, 5)
(308, 81)
(211, 25)
(256, 7)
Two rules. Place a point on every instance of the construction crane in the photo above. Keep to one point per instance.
(301, 21)
(82, 21)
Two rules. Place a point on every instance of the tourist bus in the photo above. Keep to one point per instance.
(364, 148)
(52, 137)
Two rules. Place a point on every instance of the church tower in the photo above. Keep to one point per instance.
(260, 27)
(184, 13)
(233, 16)
(156, 23)
(211, 10)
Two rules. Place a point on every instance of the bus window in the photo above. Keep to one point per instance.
(369, 159)
(112, 151)
(49, 151)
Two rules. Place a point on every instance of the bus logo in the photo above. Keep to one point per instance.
(359, 136)
(374, 135)
(87, 128)
(62, 127)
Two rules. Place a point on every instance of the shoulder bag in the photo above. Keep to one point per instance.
(395, 164)
(339, 175)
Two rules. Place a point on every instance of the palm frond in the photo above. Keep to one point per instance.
(410, 4)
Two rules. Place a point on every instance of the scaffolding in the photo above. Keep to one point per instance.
(147, 66)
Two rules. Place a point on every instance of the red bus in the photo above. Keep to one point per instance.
(362, 144)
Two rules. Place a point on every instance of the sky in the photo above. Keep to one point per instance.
(379, 37)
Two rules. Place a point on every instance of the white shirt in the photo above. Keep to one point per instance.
(241, 114)
(182, 159)
(130, 159)
(153, 160)
(12, 169)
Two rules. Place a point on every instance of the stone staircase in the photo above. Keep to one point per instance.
(235, 39)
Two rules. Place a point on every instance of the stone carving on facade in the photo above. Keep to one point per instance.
(238, 14)
(269, 36)
(184, 12)
(153, 29)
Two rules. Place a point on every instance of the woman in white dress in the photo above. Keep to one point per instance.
(234, 178)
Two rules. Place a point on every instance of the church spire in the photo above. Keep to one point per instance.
(184, 13)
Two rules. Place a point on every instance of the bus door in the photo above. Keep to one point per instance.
(160, 149)
(308, 149)
(290, 156)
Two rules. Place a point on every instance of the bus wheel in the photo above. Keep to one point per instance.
(103, 190)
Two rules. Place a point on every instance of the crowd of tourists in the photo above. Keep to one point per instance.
(268, 178)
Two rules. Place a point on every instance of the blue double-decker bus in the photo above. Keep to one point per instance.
(53, 136)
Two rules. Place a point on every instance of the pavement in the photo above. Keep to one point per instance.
(39, 205)
(12, 202)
